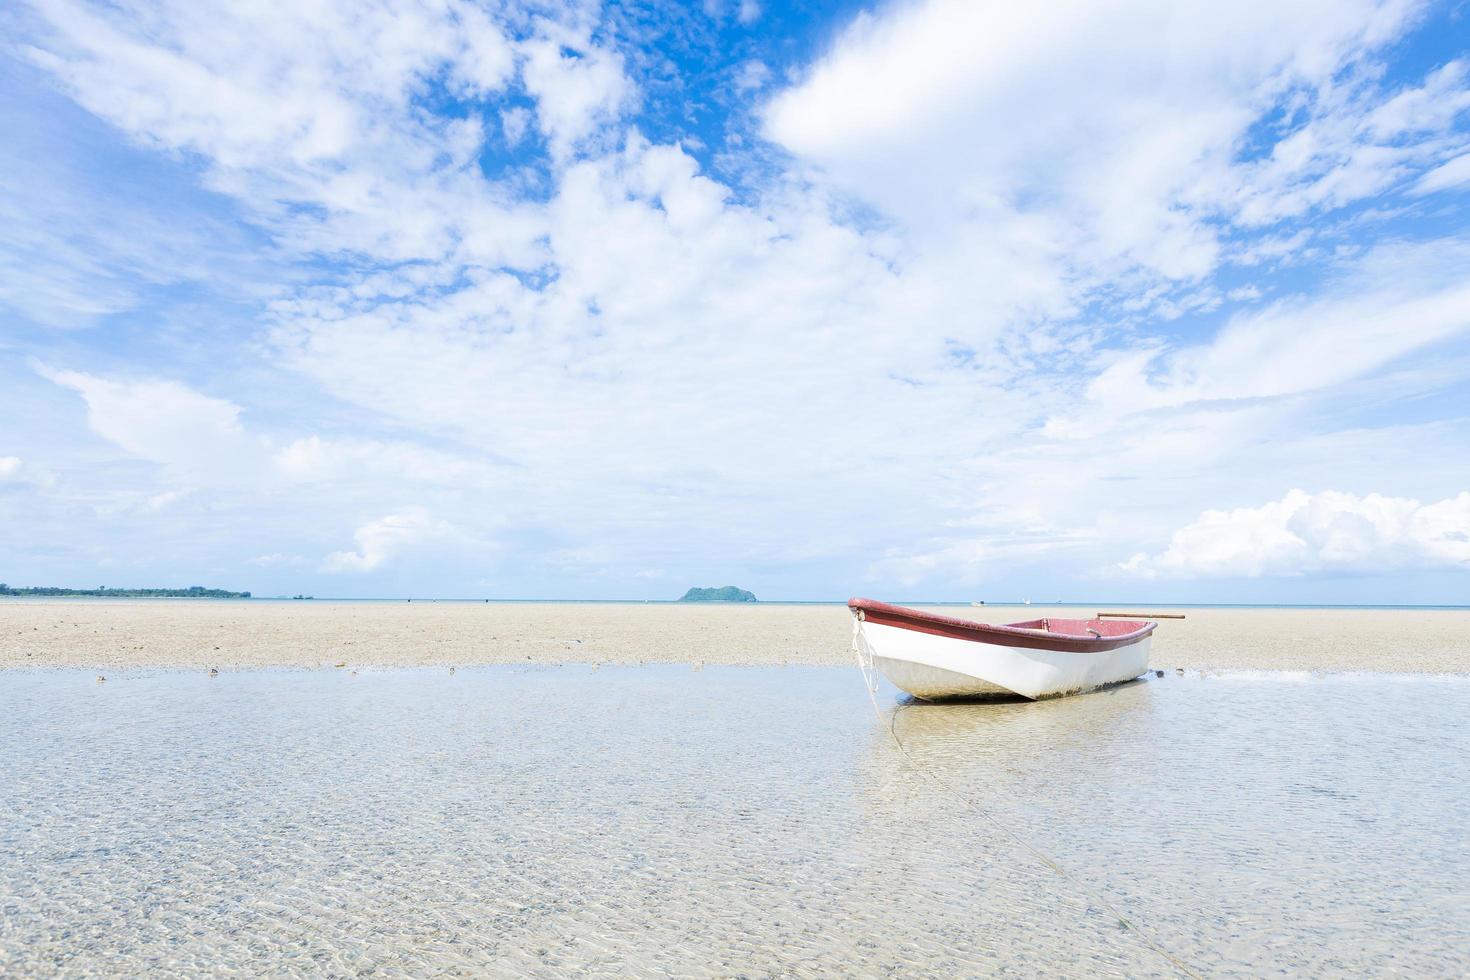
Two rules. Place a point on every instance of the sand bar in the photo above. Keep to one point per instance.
(234, 635)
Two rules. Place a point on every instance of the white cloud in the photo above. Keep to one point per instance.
(165, 422)
(605, 366)
(255, 86)
(1304, 532)
(514, 123)
(75, 250)
(578, 85)
(274, 559)
(386, 538)
(635, 350)
(1395, 300)
(1429, 108)
(751, 76)
(1455, 173)
(1354, 145)
(22, 474)
(166, 499)
(1119, 131)
(203, 439)
(297, 104)
(312, 459)
(988, 551)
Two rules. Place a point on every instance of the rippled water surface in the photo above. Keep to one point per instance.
(542, 821)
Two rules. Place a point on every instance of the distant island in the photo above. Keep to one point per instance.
(728, 594)
(192, 592)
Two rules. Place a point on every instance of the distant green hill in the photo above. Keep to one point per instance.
(192, 592)
(728, 594)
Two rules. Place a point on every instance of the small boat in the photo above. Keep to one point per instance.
(933, 657)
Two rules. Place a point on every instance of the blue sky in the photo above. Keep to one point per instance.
(926, 299)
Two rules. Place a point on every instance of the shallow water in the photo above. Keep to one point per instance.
(540, 821)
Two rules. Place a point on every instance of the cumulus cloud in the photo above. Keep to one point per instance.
(307, 115)
(994, 234)
(202, 442)
(1323, 532)
(165, 422)
(9, 468)
(1123, 155)
(386, 538)
(275, 82)
(605, 366)
(577, 84)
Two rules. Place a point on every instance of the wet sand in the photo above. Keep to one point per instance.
(193, 634)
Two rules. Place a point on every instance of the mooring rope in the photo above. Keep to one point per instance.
(864, 654)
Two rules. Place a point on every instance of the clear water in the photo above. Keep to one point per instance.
(753, 821)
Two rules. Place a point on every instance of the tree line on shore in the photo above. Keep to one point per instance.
(192, 592)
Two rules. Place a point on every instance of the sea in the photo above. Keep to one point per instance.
(757, 821)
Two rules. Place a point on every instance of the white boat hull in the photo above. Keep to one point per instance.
(932, 667)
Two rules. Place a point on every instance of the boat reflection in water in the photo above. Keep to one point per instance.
(1228, 824)
(946, 784)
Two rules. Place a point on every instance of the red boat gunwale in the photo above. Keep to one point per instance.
(1035, 634)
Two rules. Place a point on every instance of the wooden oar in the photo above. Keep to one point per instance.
(1141, 615)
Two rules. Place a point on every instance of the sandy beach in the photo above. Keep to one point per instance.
(190, 634)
